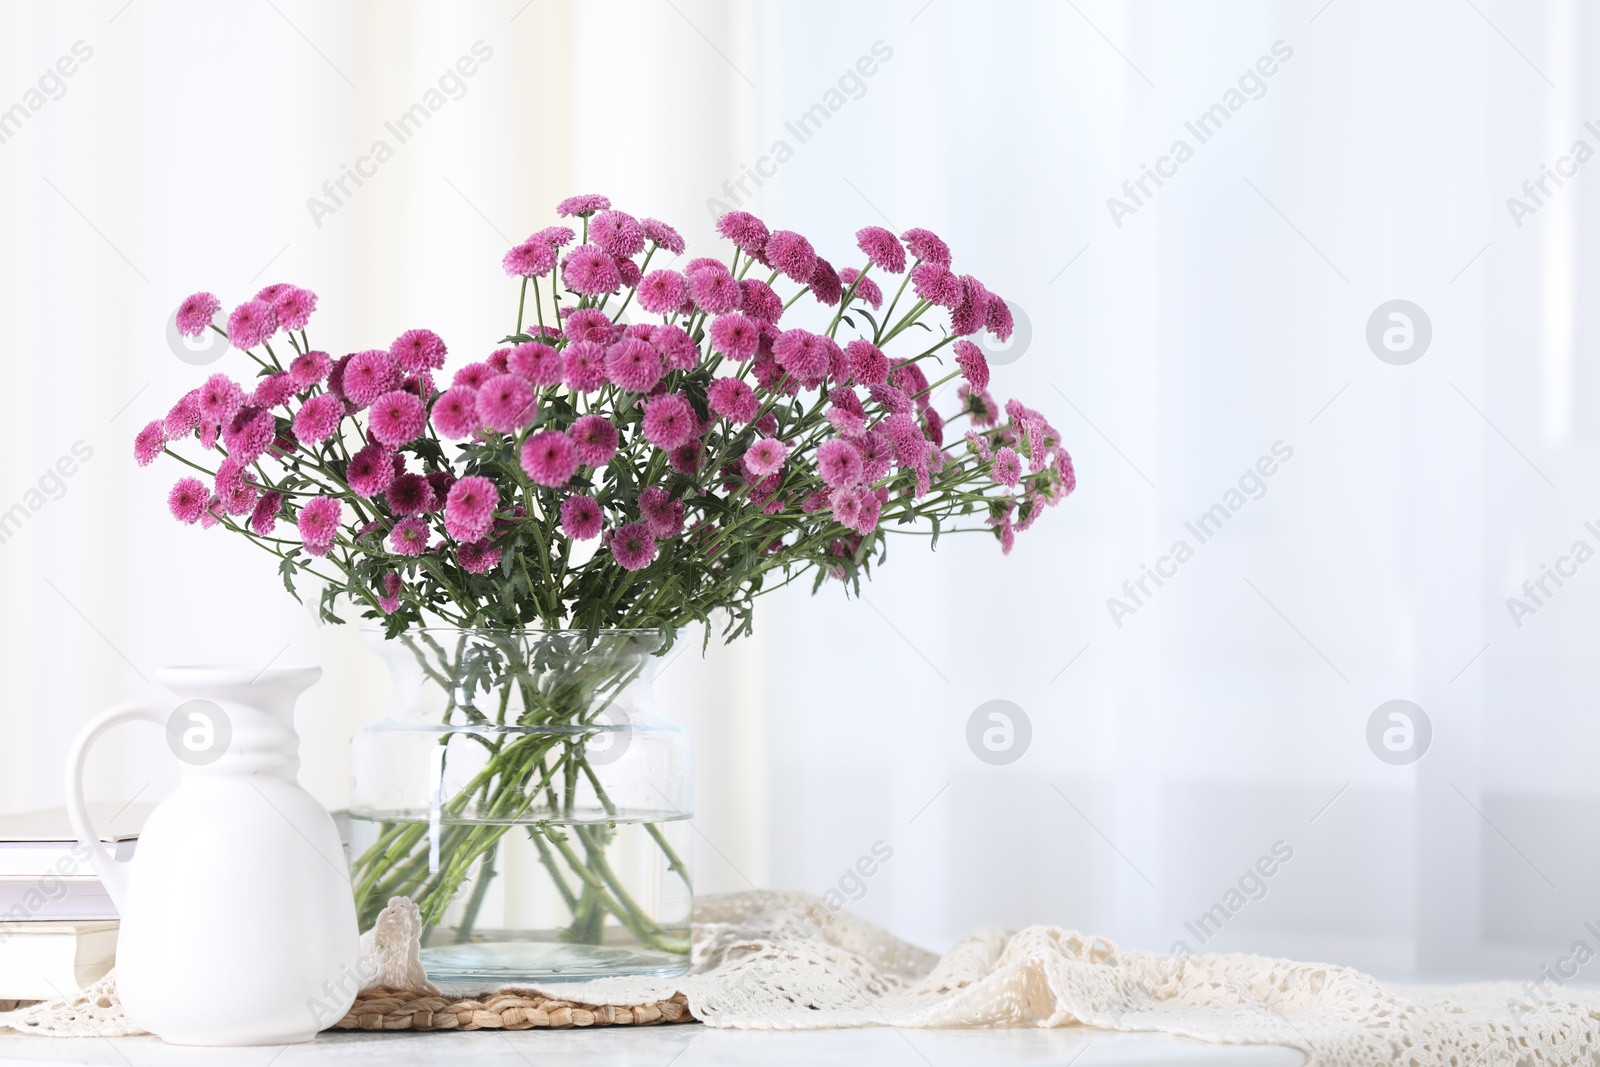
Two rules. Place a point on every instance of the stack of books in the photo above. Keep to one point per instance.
(58, 927)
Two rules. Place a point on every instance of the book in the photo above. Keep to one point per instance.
(53, 899)
(45, 960)
(38, 844)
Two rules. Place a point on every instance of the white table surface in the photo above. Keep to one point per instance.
(689, 1045)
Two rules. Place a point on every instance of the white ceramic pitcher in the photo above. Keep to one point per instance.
(238, 922)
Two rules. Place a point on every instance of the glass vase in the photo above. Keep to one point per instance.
(525, 792)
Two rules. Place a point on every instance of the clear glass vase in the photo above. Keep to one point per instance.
(525, 792)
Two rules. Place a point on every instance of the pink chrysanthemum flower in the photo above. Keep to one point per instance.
(735, 335)
(592, 324)
(240, 500)
(549, 458)
(319, 524)
(825, 283)
(791, 254)
(685, 459)
(469, 509)
(264, 517)
(838, 463)
(594, 440)
(588, 271)
(847, 422)
(586, 366)
(974, 367)
(581, 518)
(759, 301)
(882, 248)
(318, 418)
(926, 246)
(473, 375)
(910, 447)
(969, 316)
(389, 593)
(864, 290)
(478, 557)
(397, 418)
(662, 514)
(272, 390)
(418, 350)
(892, 398)
(663, 235)
(676, 348)
(628, 272)
(669, 421)
(846, 506)
(249, 434)
(876, 453)
(662, 291)
(744, 230)
(555, 236)
(871, 509)
(251, 323)
(979, 445)
(998, 317)
(765, 457)
(230, 475)
(441, 482)
(907, 376)
(936, 284)
(583, 205)
(368, 376)
(978, 405)
(933, 426)
(633, 365)
(868, 365)
(632, 546)
(1007, 469)
(1065, 472)
(733, 399)
(149, 442)
(370, 471)
(618, 233)
(506, 403)
(184, 416)
(767, 424)
(310, 368)
(802, 354)
(531, 259)
(537, 362)
(293, 307)
(220, 398)
(410, 494)
(196, 312)
(187, 500)
(270, 293)
(409, 537)
(714, 290)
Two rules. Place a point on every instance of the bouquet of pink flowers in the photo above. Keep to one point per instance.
(594, 474)
(597, 475)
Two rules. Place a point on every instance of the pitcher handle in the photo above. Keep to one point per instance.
(113, 875)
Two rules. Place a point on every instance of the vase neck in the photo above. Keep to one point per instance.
(236, 722)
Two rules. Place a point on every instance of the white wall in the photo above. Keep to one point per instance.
(1226, 314)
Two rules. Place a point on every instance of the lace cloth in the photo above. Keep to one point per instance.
(783, 961)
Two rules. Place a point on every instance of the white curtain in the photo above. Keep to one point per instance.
(1185, 740)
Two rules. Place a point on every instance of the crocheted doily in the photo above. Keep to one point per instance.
(785, 961)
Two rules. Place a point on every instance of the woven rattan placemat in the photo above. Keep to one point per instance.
(385, 1009)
